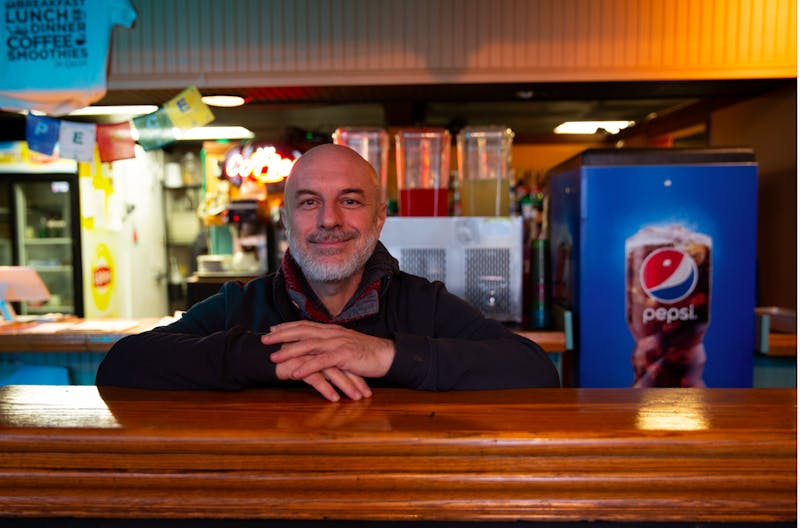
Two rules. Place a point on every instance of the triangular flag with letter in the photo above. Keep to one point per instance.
(41, 133)
(187, 109)
(155, 129)
(115, 142)
(76, 140)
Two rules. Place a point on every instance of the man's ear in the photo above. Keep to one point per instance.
(381, 216)
(282, 212)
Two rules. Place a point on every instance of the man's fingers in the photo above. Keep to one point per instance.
(314, 363)
(347, 384)
(298, 330)
(360, 383)
(306, 347)
(284, 369)
(294, 350)
(322, 386)
(326, 382)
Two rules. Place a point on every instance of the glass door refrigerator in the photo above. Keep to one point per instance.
(40, 228)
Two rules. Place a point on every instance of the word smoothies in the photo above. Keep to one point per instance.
(667, 271)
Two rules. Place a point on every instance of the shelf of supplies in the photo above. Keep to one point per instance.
(47, 241)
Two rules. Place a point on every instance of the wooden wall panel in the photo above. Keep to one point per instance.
(774, 138)
(343, 42)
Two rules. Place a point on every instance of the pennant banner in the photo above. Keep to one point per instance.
(187, 109)
(115, 142)
(41, 133)
(155, 130)
(76, 140)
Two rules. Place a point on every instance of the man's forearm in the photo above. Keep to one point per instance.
(229, 360)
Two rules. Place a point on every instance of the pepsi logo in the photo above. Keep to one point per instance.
(668, 275)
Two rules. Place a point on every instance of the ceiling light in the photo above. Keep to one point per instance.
(591, 127)
(114, 110)
(206, 133)
(215, 132)
(223, 100)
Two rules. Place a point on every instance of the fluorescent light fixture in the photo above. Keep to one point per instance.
(591, 127)
(215, 132)
(223, 100)
(206, 133)
(114, 110)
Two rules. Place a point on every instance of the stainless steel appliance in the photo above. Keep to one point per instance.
(480, 259)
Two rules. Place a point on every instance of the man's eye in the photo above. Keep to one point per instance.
(351, 202)
(309, 202)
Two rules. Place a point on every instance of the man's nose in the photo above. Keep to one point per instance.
(330, 215)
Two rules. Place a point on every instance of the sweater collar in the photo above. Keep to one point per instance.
(366, 300)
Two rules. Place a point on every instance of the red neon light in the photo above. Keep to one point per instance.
(264, 165)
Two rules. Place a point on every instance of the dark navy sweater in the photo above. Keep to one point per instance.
(441, 342)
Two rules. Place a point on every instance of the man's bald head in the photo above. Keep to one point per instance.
(333, 213)
(327, 158)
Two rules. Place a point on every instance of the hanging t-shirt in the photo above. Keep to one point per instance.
(53, 53)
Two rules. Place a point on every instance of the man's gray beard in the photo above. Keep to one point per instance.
(323, 272)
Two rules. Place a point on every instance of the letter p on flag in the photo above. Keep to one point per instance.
(41, 133)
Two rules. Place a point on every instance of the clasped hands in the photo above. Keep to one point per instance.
(329, 357)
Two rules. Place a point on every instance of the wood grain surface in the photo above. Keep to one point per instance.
(700, 455)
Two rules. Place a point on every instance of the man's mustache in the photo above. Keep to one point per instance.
(331, 235)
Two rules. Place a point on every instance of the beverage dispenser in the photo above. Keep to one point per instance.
(423, 166)
(373, 145)
(249, 236)
(484, 170)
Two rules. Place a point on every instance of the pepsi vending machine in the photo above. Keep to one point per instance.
(654, 253)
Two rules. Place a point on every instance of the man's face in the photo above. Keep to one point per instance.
(333, 214)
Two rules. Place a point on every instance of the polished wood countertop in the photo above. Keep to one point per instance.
(70, 334)
(619, 455)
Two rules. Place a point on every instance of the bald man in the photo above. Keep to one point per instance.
(338, 315)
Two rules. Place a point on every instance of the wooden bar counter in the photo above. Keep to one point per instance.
(618, 455)
(69, 335)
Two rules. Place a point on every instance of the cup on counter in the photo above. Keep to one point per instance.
(484, 170)
(423, 166)
(373, 145)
